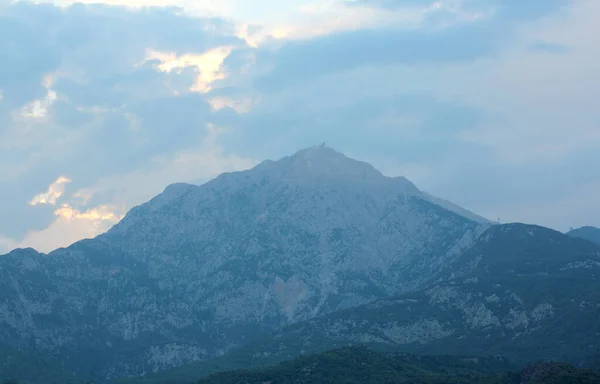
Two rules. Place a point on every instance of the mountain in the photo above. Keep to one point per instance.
(30, 369)
(360, 365)
(455, 208)
(524, 292)
(365, 366)
(199, 270)
(588, 233)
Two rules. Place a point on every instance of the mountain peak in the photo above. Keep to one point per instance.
(318, 151)
(322, 163)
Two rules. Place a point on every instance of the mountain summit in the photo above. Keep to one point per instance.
(319, 166)
(320, 162)
(588, 233)
(201, 269)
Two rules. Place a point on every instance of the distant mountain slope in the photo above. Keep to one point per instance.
(32, 369)
(455, 208)
(588, 233)
(364, 366)
(360, 365)
(525, 292)
(522, 291)
(199, 270)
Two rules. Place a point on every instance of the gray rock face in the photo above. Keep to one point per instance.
(201, 269)
(525, 292)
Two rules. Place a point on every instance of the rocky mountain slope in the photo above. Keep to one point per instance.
(588, 233)
(199, 270)
(524, 292)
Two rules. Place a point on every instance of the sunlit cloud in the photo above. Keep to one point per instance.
(82, 196)
(97, 214)
(54, 192)
(49, 80)
(209, 65)
(70, 225)
(323, 18)
(38, 109)
(240, 105)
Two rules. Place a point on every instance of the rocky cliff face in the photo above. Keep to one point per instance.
(201, 269)
(525, 292)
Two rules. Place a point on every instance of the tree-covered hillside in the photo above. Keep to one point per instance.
(363, 366)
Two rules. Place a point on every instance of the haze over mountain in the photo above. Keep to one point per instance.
(200, 269)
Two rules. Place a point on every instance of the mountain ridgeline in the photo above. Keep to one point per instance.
(588, 233)
(311, 252)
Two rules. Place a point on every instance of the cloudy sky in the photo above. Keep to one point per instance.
(492, 104)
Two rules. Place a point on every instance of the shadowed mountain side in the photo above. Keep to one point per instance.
(588, 233)
(524, 292)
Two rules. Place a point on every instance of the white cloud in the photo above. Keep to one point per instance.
(291, 19)
(239, 104)
(38, 109)
(318, 19)
(97, 214)
(54, 192)
(209, 65)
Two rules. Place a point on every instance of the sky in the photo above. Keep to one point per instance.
(491, 104)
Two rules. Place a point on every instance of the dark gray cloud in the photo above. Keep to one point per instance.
(25, 58)
(305, 59)
(98, 43)
(462, 41)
